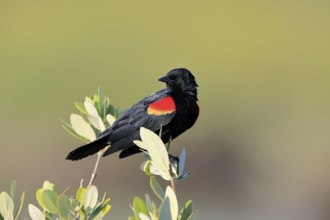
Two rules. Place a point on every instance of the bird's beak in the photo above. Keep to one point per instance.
(164, 79)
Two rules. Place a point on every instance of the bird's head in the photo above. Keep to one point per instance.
(180, 79)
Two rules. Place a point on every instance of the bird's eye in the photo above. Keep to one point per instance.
(175, 78)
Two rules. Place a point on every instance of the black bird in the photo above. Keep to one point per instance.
(173, 110)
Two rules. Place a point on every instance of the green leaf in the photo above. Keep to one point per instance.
(9, 215)
(94, 117)
(90, 108)
(74, 204)
(186, 212)
(63, 205)
(165, 212)
(149, 204)
(157, 151)
(174, 207)
(131, 218)
(139, 207)
(101, 101)
(39, 198)
(70, 130)
(81, 127)
(87, 99)
(80, 106)
(80, 195)
(6, 205)
(106, 209)
(145, 166)
(96, 100)
(20, 206)
(48, 185)
(155, 186)
(182, 161)
(35, 213)
(13, 189)
(143, 216)
(90, 198)
(49, 199)
(97, 212)
(110, 119)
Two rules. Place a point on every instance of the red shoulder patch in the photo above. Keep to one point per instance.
(161, 107)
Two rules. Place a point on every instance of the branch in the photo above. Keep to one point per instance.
(99, 156)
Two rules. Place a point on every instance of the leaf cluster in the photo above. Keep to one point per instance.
(7, 206)
(157, 163)
(85, 205)
(96, 114)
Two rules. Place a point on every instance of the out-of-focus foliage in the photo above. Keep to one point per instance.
(96, 114)
(85, 205)
(54, 206)
(7, 204)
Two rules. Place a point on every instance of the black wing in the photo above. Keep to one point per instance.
(152, 112)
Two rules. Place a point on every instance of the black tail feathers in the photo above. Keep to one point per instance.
(88, 149)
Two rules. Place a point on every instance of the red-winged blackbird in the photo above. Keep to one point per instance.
(173, 110)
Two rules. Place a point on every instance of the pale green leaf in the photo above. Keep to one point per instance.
(96, 213)
(63, 204)
(139, 207)
(149, 204)
(143, 216)
(169, 193)
(153, 169)
(96, 122)
(145, 166)
(48, 185)
(110, 119)
(80, 195)
(35, 213)
(87, 99)
(10, 215)
(49, 199)
(90, 108)
(106, 209)
(20, 207)
(182, 161)
(80, 106)
(71, 131)
(91, 197)
(82, 128)
(39, 198)
(96, 100)
(93, 116)
(156, 149)
(186, 211)
(6, 204)
(155, 186)
(13, 189)
(165, 212)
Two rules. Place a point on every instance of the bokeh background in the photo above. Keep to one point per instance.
(260, 149)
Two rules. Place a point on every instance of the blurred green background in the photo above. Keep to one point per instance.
(261, 146)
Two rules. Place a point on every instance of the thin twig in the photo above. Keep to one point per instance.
(172, 178)
(173, 184)
(99, 156)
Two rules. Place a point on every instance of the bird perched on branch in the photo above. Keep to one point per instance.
(172, 110)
